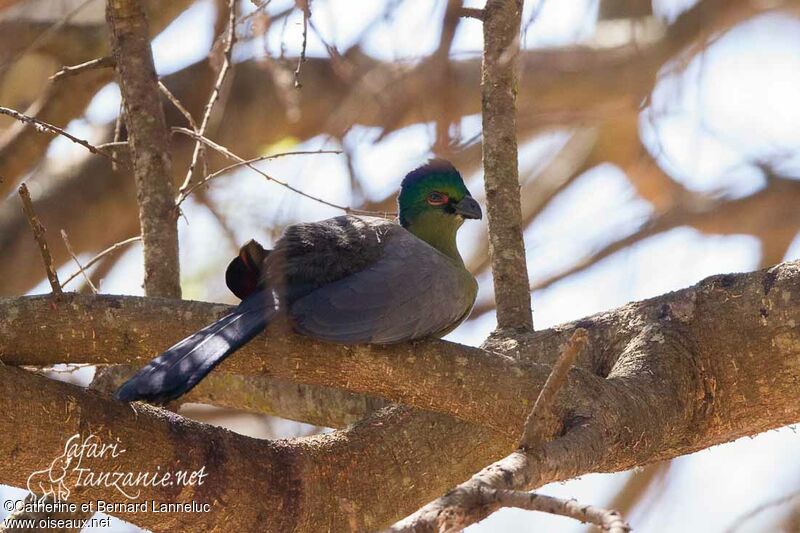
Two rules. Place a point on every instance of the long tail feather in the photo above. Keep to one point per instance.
(181, 367)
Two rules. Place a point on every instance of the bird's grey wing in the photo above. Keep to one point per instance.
(411, 291)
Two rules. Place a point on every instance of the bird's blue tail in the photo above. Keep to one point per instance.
(181, 367)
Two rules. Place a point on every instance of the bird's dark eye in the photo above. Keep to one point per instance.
(437, 198)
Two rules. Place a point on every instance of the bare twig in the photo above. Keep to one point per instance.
(114, 144)
(740, 521)
(111, 249)
(190, 119)
(356, 191)
(178, 105)
(100, 62)
(75, 258)
(261, 5)
(305, 7)
(247, 162)
(118, 128)
(537, 10)
(100, 272)
(45, 127)
(227, 153)
(606, 519)
(658, 223)
(541, 416)
(38, 235)
(212, 100)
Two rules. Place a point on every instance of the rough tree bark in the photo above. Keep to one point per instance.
(501, 24)
(149, 142)
(716, 361)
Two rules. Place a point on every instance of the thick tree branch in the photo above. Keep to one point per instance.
(722, 321)
(320, 406)
(123, 333)
(672, 355)
(697, 357)
(304, 485)
(478, 497)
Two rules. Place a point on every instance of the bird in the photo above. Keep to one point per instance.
(350, 279)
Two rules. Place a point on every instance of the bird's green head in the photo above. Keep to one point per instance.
(433, 204)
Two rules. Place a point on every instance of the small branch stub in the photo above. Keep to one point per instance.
(38, 235)
(471, 12)
(538, 422)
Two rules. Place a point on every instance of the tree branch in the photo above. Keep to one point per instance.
(501, 24)
(698, 357)
(539, 420)
(45, 127)
(149, 141)
(434, 375)
(475, 499)
(304, 484)
(38, 235)
(319, 406)
(98, 63)
(605, 519)
(227, 64)
(63, 99)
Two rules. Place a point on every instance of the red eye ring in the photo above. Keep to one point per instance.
(437, 198)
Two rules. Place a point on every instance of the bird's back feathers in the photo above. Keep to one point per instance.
(311, 255)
